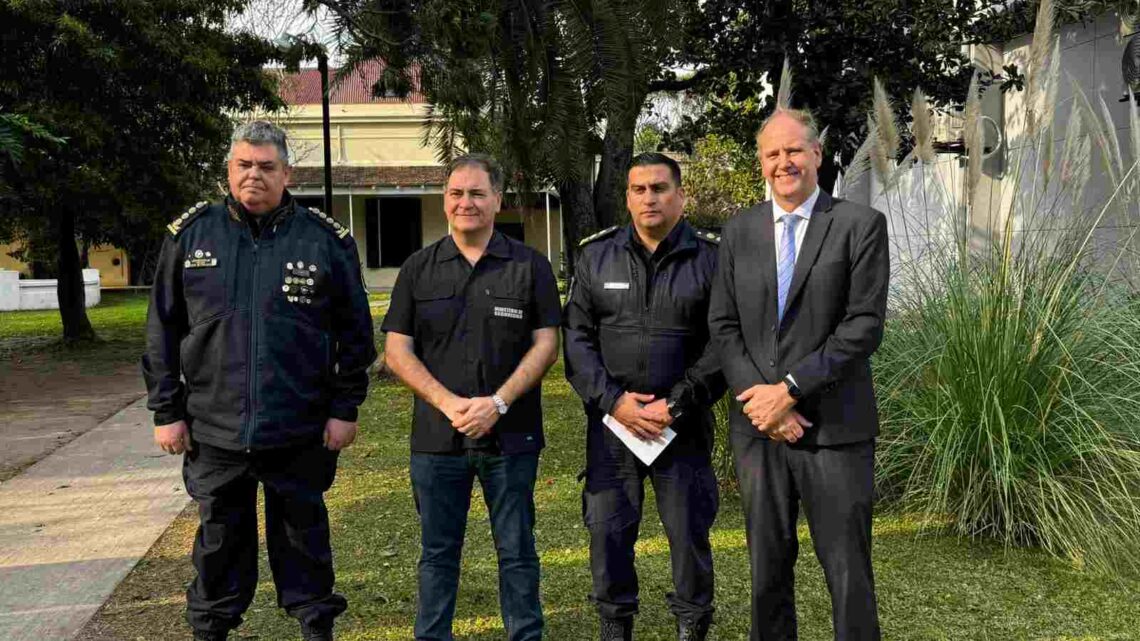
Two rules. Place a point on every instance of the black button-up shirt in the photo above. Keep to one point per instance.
(472, 326)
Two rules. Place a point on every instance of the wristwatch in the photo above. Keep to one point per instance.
(674, 410)
(793, 389)
(500, 404)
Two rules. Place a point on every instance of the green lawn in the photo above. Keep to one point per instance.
(930, 587)
(119, 320)
(119, 315)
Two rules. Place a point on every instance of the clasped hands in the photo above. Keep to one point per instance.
(643, 415)
(471, 417)
(769, 407)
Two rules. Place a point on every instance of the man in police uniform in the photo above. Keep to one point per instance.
(472, 328)
(258, 342)
(637, 348)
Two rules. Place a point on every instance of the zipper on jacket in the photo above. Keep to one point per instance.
(251, 394)
(642, 302)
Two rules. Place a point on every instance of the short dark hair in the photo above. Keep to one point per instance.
(483, 161)
(656, 158)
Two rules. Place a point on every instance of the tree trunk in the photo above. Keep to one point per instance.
(72, 308)
(609, 190)
(577, 216)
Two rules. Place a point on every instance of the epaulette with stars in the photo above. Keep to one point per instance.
(708, 236)
(602, 234)
(330, 223)
(187, 217)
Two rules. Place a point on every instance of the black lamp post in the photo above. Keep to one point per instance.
(288, 41)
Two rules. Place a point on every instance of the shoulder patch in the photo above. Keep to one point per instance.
(183, 221)
(330, 223)
(708, 236)
(602, 234)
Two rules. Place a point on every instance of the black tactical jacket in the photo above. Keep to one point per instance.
(256, 340)
(627, 333)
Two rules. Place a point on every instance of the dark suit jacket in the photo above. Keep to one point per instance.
(832, 325)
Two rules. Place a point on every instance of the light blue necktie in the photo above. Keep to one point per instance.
(787, 265)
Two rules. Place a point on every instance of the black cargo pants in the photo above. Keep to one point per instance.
(224, 484)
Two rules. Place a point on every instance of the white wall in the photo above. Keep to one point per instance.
(16, 294)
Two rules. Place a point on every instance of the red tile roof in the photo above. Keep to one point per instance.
(304, 87)
(401, 176)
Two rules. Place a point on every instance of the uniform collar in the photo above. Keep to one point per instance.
(498, 247)
(239, 213)
(803, 211)
(679, 237)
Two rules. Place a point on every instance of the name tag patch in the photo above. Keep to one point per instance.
(508, 312)
(615, 286)
(200, 258)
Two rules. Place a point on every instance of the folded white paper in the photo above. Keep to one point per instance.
(647, 451)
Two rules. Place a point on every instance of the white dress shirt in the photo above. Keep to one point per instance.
(804, 214)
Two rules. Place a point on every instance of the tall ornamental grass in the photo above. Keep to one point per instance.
(1009, 376)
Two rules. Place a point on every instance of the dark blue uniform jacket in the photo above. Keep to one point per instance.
(629, 331)
(257, 340)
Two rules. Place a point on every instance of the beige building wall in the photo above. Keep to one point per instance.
(112, 263)
(7, 262)
(388, 134)
(360, 135)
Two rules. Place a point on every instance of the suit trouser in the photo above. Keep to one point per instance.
(224, 484)
(835, 485)
(687, 501)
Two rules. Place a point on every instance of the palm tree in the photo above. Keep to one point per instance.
(548, 86)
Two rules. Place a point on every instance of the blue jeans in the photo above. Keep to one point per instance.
(442, 487)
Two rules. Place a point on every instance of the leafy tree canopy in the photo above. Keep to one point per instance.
(834, 49)
(142, 95)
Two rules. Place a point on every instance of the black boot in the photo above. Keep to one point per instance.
(693, 629)
(207, 635)
(617, 629)
(316, 633)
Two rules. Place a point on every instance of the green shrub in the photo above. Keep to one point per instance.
(1009, 376)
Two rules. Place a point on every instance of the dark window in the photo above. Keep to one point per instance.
(394, 228)
(371, 234)
(513, 230)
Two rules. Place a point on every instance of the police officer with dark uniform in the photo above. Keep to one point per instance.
(259, 338)
(472, 328)
(637, 348)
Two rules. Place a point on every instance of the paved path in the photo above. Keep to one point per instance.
(74, 524)
(45, 404)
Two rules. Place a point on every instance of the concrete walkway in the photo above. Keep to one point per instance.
(75, 523)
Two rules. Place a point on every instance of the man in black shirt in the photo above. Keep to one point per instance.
(638, 349)
(472, 329)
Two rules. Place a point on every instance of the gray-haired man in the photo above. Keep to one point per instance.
(258, 343)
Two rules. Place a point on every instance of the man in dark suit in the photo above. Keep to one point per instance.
(796, 311)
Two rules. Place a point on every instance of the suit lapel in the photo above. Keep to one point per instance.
(762, 287)
(813, 241)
